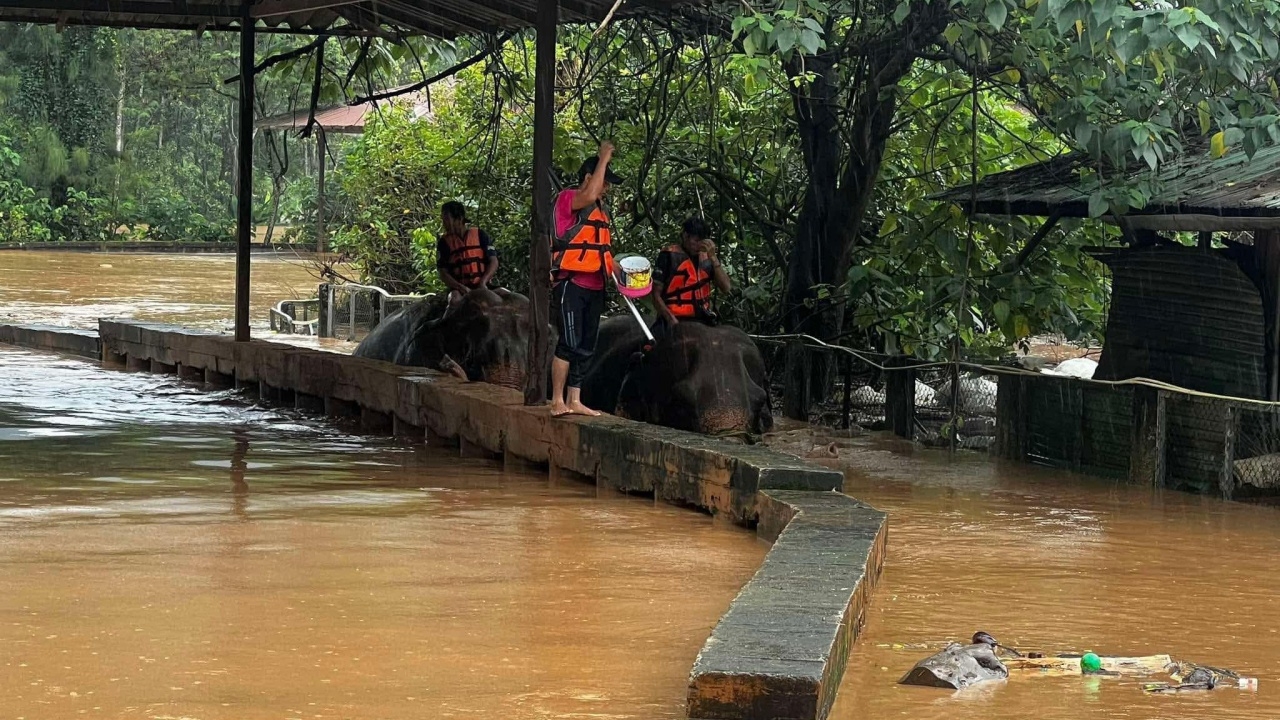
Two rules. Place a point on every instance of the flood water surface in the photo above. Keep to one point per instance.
(1049, 561)
(166, 553)
(76, 289)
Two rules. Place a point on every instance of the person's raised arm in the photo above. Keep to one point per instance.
(591, 193)
(718, 275)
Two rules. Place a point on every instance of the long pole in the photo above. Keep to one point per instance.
(535, 391)
(322, 142)
(244, 173)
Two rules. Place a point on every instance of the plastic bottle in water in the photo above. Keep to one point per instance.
(1248, 684)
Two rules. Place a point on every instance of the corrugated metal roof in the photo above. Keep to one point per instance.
(351, 119)
(342, 119)
(1233, 186)
(443, 18)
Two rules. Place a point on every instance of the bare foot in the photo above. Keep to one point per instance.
(580, 409)
(560, 410)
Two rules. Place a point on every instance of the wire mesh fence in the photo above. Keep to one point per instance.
(1139, 430)
(296, 317)
(350, 311)
(885, 392)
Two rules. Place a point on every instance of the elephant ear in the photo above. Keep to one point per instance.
(419, 343)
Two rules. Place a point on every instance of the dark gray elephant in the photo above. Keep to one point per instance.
(484, 338)
(957, 667)
(698, 378)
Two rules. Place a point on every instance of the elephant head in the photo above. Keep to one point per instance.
(485, 338)
(703, 379)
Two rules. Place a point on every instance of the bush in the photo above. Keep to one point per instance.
(168, 219)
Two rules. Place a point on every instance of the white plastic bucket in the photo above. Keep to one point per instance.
(637, 273)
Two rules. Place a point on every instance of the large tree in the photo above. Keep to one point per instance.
(1122, 81)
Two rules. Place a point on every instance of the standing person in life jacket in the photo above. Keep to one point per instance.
(465, 256)
(581, 259)
(683, 278)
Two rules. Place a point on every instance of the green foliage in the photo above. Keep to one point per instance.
(908, 279)
(24, 217)
(169, 219)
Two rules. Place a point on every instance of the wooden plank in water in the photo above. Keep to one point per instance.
(1148, 665)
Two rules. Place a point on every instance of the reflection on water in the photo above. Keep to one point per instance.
(75, 289)
(168, 553)
(1046, 560)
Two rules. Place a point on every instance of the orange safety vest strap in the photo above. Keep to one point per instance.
(687, 291)
(466, 261)
(584, 247)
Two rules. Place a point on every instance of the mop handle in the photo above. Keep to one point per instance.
(639, 319)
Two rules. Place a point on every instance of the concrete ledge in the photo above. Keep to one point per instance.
(779, 652)
(70, 341)
(781, 649)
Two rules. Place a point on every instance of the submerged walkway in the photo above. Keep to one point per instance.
(780, 650)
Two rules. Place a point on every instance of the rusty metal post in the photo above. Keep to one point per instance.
(244, 172)
(322, 143)
(535, 390)
(846, 369)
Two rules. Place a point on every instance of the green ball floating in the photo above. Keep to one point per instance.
(1090, 663)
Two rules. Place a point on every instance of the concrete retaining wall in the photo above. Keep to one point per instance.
(55, 339)
(781, 649)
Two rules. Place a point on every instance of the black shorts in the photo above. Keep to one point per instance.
(579, 316)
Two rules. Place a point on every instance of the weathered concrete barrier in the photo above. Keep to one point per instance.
(781, 649)
(779, 652)
(83, 343)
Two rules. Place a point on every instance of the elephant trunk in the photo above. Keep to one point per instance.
(724, 419)
(506, 375)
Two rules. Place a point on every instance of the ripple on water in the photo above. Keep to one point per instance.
(284, 565)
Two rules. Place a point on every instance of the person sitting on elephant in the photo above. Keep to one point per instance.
(683, 277)
(581, 259)
(465, 256)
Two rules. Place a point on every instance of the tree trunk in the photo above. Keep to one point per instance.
(835, 201)
(115, 189)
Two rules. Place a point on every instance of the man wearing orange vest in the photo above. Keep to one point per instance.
(465, 256)
(581, 259)
(684, 275)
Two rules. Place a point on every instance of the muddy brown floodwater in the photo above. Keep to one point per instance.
(73, 288)
(167, 553)
(1051, 561)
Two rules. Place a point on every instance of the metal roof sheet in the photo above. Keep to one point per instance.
(1233, 186)
(443, 18)
(342, 119)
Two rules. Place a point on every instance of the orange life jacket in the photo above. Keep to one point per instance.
(687, 292)
(466, 261)
(585, 246)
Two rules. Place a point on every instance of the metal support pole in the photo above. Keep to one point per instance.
(535, 391)
(321, 147)
(244, 173)
(846, 367)
(351, 309)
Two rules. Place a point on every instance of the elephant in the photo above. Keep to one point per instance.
(485, 337)
(696, 377)
(958, 667)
